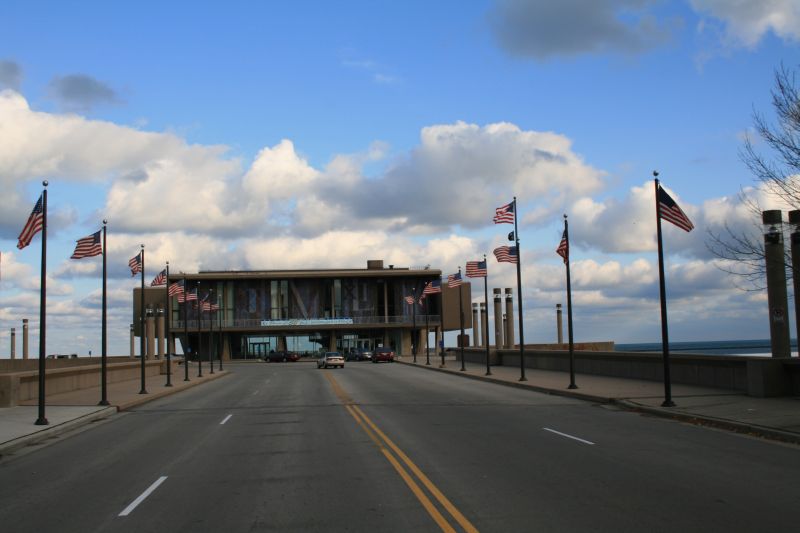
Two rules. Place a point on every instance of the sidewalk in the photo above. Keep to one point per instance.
(774, 418)
(70, 410)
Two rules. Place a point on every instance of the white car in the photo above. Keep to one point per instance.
(333, 359)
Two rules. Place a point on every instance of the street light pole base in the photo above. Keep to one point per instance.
(668, 403)
(572, 386)
(142, 391)
(41, 422)
(103, 402)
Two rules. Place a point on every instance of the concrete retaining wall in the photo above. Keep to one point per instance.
(24, 385)
(756, 376)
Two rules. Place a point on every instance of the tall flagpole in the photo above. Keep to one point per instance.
(427, 329)
(104, 341)
(569, 314)
(141, 319)
(414, 319)
(42, 420)
(519, 300)
(486, 303)
(186, 330)
(461, 317)
(663, 292)
(168, 320)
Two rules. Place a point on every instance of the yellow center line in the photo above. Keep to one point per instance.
(382, 441)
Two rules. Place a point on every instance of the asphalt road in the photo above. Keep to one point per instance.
(288, 447)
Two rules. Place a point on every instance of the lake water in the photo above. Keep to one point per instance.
(757, 347)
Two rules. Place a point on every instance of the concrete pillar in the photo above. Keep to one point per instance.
(331, 343)
(13, 344)
(484, 326)
(559, 326)
(794, 220)
(24, 338)
(509, 331)
(150, 331)
(160, 333)
(498, 319)
(475, 326)
(133, 345)
(776, 283)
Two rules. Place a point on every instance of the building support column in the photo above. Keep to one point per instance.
(509, 333)
(13, 344)
(498, 319)
(475, 325)
(24, 338)
(133, 345)
(160, 340)
(150, 331)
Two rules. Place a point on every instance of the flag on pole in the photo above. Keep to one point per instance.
(504, 214)
(160, 279)
(176, 288)
(433, 287)
(506, 254)
(454, 280)
(187, 296)
(669, 211)
(563, 247)
(33, 225)
(88, 247)
(476, 269)
(409, 299)
(135, 264)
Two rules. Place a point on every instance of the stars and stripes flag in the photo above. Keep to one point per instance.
(504, 214)
(409, 299)
(563, 247)
(160, 279)
(187, 296)
(88, 247)
(670, 211)
(33, 226)
(433, 287)
(476, 269)
(176, 288)
(506, 254)
(454, 280)
(135, 264)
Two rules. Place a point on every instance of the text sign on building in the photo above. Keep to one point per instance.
(307, 322)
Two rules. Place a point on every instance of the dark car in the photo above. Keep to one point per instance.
(383, 354)
(293, 356)
(275, 357)
(364, 355)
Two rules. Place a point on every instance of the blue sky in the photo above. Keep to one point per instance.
(316, 134)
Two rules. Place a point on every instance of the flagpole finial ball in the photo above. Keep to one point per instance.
(45, 183)
(105, 221)
(142, 246)
(655, 173)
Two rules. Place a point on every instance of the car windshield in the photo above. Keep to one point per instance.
(332, 354)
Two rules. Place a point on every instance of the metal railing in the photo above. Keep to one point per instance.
(256, 323)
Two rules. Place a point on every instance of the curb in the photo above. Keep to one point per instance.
(166, 391)
(714, 422)
(54, 431)
(69, 425)
(704, 420)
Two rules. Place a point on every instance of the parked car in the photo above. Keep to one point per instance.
(333, 359)
(364, 355)
(275, 357)
(293, 356)
(383, 354)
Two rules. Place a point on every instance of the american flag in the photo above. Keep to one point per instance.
(135, 264)
(176, 288)
(160, 279)
(563, 247)
(187, 296)
(32, 226)
(432, 287)
(504, 214)
(671, 212)
(454, 280)
(476, 269)
(409, 299)
(506, 254)
(88, 247)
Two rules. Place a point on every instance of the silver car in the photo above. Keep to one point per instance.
(333, 359)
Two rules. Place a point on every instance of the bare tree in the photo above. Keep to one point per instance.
(779, 174)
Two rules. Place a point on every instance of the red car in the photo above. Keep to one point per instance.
(383, 354)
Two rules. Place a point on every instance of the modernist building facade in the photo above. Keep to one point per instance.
(306, 311)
